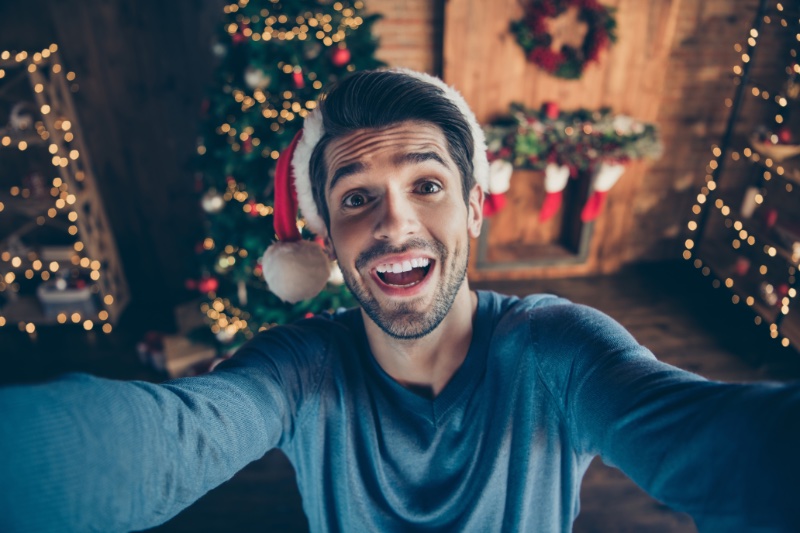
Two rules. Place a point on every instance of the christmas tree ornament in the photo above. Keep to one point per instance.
(555, 181)
(212, 202)
(239, 37)
(256, 78)
(225, 335)
(241, 292)
(253, 208)
(311, 50)
(742, 266)
(219, 50)
(298, 79)
(208, 284)
(340, 56)
(785, 135)
(605, 177)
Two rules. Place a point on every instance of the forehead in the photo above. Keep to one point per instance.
(367, 145)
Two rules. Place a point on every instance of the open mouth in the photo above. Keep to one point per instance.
(404, 274)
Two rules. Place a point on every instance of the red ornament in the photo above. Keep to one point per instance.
(239, 37)
(742, 266)
(253, 209)
(551, 110)
(340, 57)
(247, 145)
(208, 284)
(770, 217)
(785, 135)
(298, 79)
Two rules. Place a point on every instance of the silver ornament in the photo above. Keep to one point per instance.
(212, 202)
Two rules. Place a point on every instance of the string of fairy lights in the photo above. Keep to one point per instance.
(746, 237)
(51, 199)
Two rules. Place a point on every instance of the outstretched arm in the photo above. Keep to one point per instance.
(90, 454)
(725, 453)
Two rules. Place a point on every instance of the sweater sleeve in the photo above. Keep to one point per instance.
(88, 454)
(725, 453)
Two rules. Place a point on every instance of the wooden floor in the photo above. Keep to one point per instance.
(668, 307)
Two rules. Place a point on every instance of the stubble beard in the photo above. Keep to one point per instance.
(402, 320)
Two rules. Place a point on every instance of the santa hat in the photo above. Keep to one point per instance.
(296, 269)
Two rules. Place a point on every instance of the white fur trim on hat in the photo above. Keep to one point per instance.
(313, 130)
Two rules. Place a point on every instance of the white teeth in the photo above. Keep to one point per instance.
(404, 266)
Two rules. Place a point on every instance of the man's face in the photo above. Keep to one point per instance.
(398, 224)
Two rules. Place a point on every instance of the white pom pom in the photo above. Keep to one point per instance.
(295, 271)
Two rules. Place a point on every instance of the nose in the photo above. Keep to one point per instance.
(397, 219)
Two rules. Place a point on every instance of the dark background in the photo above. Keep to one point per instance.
(142, 69)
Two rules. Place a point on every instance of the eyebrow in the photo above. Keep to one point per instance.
(410, 158)
(347, 170)
(419, 157)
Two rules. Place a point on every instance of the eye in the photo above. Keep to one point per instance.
(429, 187)
(356, 199)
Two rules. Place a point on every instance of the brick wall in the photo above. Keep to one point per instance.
(410, 33)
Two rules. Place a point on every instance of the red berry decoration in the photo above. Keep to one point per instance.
(340, 57)
(208, 284)
(297, 78)
(785, 135)
(551, 110)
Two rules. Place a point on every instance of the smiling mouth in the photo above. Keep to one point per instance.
(405, 274)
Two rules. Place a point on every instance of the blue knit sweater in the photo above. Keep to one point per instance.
(546, 386)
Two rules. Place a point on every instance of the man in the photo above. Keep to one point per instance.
(430, 408)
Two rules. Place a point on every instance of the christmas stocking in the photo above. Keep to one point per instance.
(499, 182)
(555, 180)
(606, 176)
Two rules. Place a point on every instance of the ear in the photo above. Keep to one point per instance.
(475, 212)
(328, 247)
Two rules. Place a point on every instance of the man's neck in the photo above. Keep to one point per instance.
(426, 365)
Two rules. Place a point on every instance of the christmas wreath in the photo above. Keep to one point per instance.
(562, 36)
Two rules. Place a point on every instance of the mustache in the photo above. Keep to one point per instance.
(384, 248)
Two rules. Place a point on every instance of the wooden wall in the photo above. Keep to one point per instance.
(671, 65)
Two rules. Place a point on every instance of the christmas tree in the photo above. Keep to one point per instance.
(275, 56)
